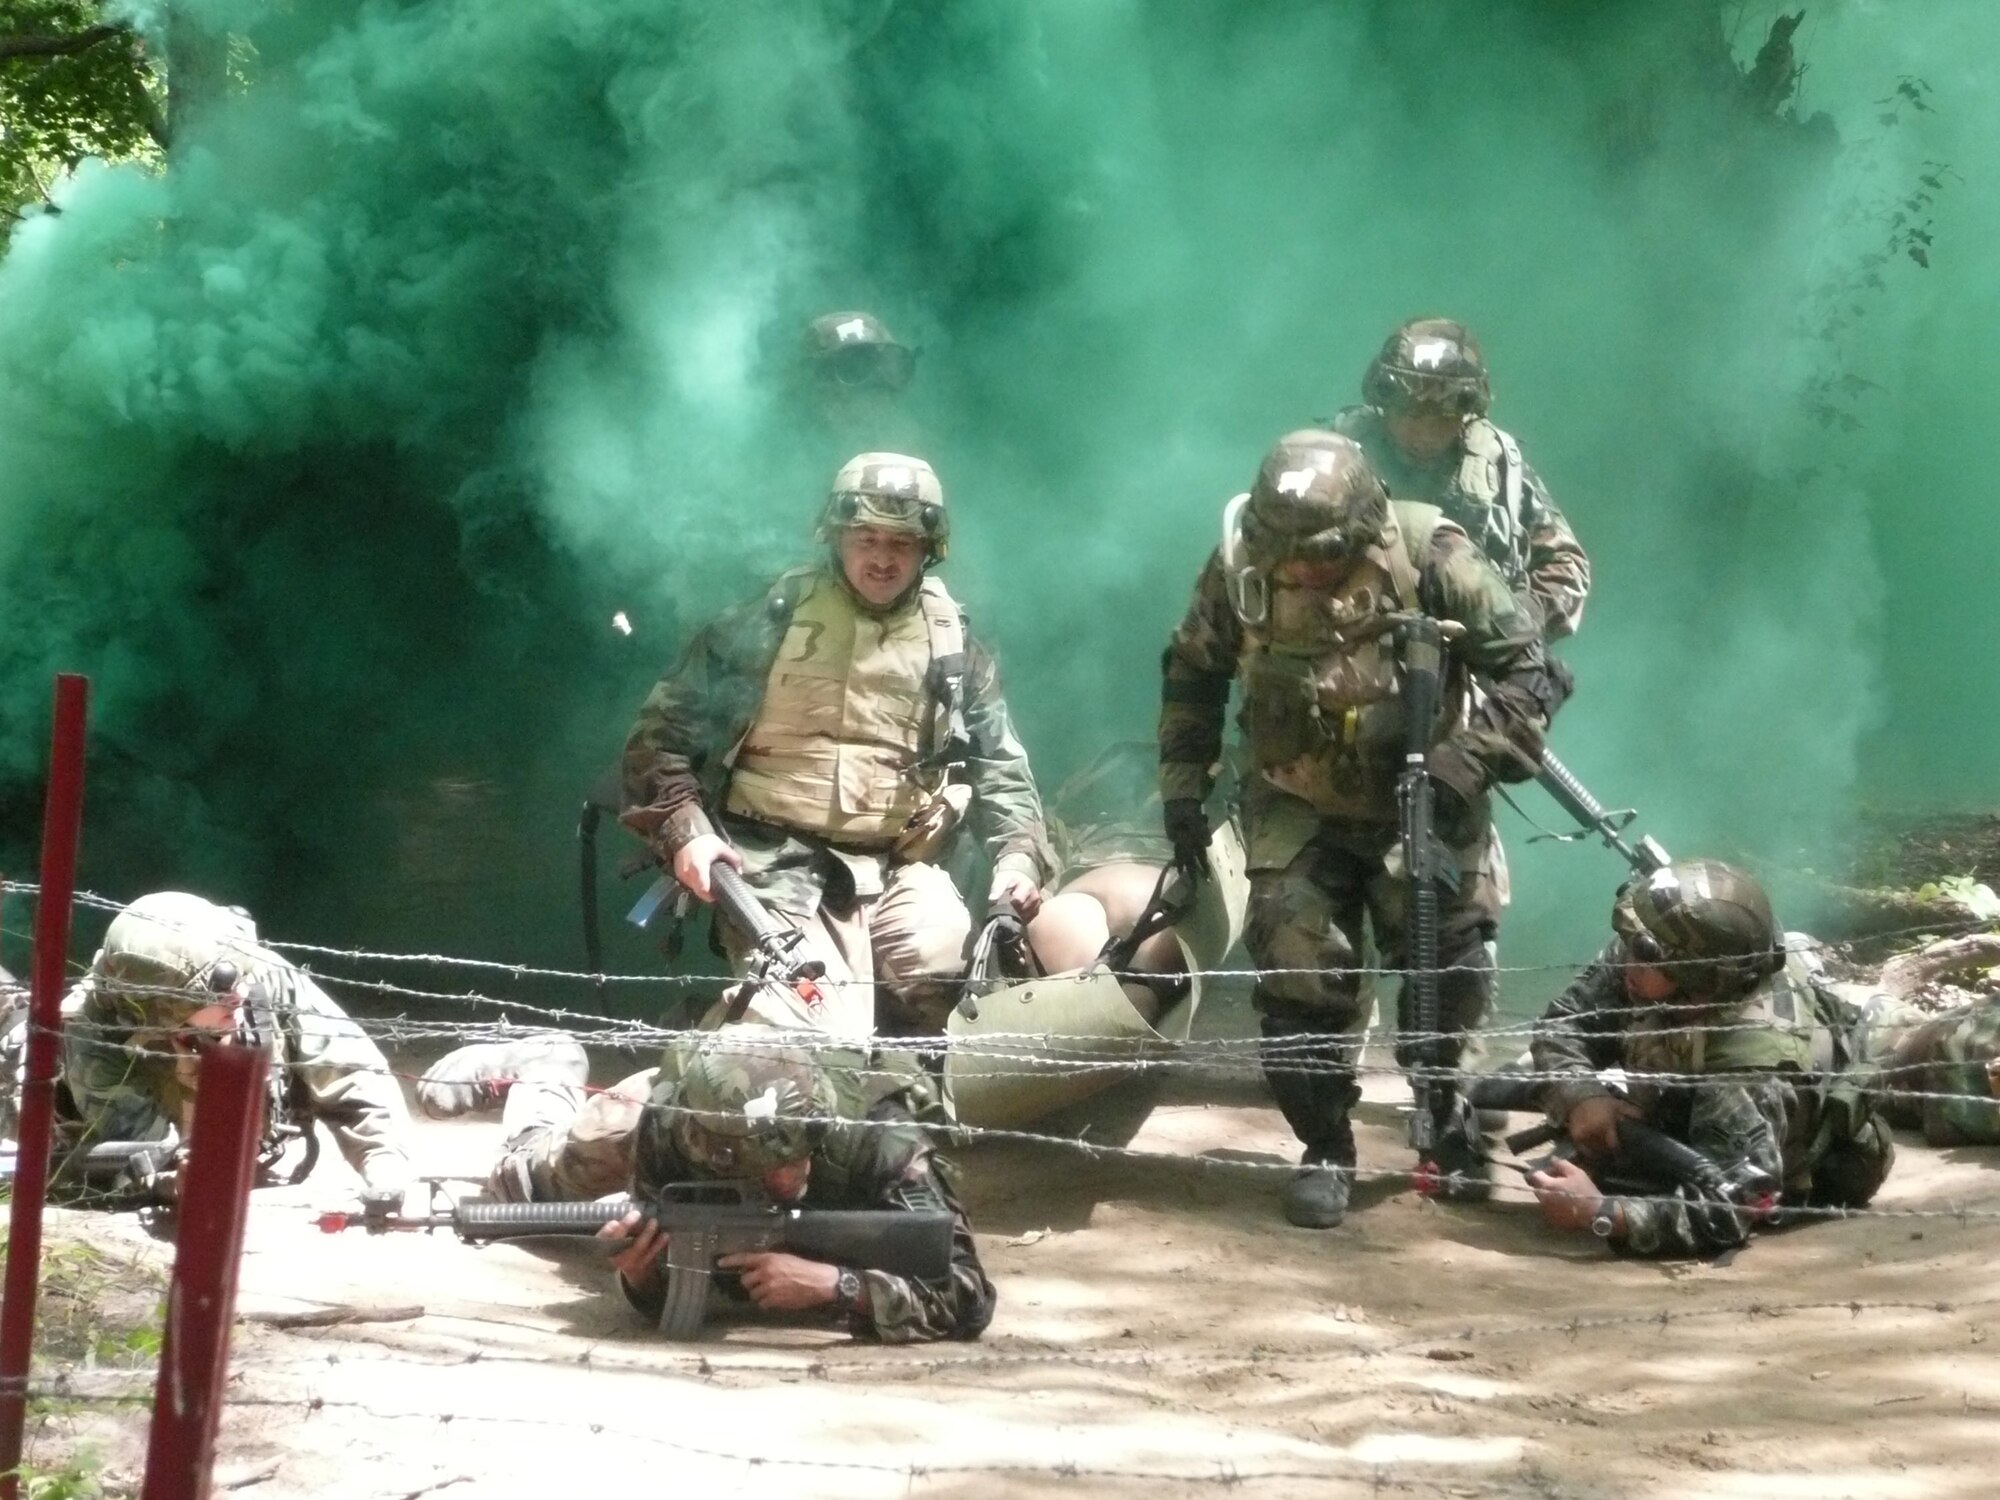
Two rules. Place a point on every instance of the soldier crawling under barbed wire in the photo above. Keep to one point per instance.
(178, 973)
(828, 1131)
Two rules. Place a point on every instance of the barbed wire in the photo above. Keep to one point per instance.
(98, 902)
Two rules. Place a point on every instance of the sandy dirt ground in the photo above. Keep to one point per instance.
(1161, 1332)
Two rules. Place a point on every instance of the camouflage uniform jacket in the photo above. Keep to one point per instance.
(1540, 556)
(1940, 1069)
(118, 1065)
(1499, 737)
(862, 1162)
(1743, 1081)
(676, 762)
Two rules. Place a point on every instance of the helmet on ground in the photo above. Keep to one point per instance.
(854, 349)
(1429, 362)
(171, 944)
(893, 491)
(1708, 925)
(1315, 497)
(748, 1104)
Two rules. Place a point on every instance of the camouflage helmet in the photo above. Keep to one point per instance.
(745, 1107)
(893, 491)
(1315, 497)
(171, 945)
(1708, 925)
(1429, 362)
(854, 349)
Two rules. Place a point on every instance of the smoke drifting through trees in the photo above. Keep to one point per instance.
(457, 328)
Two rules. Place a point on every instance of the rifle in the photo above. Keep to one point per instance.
(1422, 641)
(1650, 1163)
(120, 1169)
(778, 955)
(705, 1220)
(1574, 798)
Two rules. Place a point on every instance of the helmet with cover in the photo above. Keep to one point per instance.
(1315, 499)
(163, 954)
(1707, 924)
(892, 491)
(1432, 362)
(746, 1106)
(856, 351)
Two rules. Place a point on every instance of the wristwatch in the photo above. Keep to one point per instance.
(1606, 1223)
(847, 1291)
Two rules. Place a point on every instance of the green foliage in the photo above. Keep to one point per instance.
(55, 110)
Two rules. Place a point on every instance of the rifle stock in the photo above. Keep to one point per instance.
(1422, 642)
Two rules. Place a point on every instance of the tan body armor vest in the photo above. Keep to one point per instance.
(1322, 697)
(848, 717)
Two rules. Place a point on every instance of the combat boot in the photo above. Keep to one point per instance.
(1316, 1196)
(477, 1077)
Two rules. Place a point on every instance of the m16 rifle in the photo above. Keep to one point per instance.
(1574, 798)
(1651, 1163)
(778, 956)
(704, 1221)
(1421, 639)
(119, 1172)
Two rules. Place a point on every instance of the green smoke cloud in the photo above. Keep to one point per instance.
(457, 328)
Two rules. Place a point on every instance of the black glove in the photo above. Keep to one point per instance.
(1188, 831)
(1458, 801)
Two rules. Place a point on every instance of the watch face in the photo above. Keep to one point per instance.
(848, 1288)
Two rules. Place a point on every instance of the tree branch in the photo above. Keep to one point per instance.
(21, 45)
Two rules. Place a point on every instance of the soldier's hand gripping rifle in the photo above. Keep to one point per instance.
(778, 954)
(1421, 640)
(1651, 1163)
(704, 1221)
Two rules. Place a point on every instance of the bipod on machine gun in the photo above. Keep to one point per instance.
(702, 1221)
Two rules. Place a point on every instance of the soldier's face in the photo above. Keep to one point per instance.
(880, 564)
(787, 1183)
(1649, 985)
(1423, 433)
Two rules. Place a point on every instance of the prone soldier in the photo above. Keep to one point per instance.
(1731, 1047)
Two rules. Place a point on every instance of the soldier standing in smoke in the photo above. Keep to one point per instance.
(1298, 605)
(1426, 432)
(1731, 1046)
(828, 738)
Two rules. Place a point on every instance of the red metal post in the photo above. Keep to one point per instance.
(62, 821)
(201, 1297)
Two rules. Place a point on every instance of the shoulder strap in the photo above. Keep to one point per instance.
(944, 621)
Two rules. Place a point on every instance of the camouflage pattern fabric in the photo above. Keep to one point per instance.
(1759, 1100)
(893, 959)
(1314, 876)
(119, 1060)
(675, 773)
(874, 1148)
(1549, 565)
(1923, 1055)
(568, 1144)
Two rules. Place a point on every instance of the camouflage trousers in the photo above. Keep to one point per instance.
(1940, 1069)
(568, 1144)
(904, 948)
(1307, 921)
